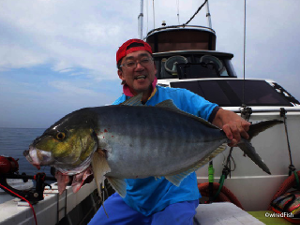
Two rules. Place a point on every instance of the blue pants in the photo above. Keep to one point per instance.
(120, 213)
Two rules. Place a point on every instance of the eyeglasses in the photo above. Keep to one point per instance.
(133, 64)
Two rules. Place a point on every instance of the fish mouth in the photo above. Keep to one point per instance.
(38, 157)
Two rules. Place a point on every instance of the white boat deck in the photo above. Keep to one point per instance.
(49, 211)
(224, 213)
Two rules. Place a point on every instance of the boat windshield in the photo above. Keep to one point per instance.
(237, 92)
(186, 66)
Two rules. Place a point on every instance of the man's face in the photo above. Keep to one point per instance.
(140, 77)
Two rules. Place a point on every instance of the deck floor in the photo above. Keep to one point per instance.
(225, 213)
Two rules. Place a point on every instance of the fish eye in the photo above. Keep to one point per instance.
(60, 135)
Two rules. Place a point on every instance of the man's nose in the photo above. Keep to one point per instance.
(139, 66)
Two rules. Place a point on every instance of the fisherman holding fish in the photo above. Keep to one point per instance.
(148, 145)
(153, 200)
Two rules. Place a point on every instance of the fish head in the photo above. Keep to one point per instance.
(67, 145)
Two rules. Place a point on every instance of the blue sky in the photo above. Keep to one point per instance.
(58, 56)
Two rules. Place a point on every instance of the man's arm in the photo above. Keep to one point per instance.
(232, 124)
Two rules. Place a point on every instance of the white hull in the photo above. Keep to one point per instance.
(254, 188)
(52, 209)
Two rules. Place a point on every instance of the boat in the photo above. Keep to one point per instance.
(186, 57)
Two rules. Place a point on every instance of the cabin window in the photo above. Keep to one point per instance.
(236, 92)
(192, 66)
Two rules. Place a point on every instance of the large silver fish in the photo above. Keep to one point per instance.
(134, 141)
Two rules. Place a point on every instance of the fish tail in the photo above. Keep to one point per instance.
(257, 128)
(247, 147)
(250, 151)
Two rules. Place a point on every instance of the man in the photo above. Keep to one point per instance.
(151, 201)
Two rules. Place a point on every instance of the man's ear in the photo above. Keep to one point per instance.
(120, 74)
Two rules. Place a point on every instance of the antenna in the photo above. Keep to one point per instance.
(208, 15)
(177, 1)
(147, 15)
(245, 111)
(245, 24)
(153, 16)
(244, 56)
(140, 19)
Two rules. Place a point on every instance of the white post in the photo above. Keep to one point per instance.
(140, 19)
(208, 15)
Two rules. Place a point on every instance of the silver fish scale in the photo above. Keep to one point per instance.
(147, 141)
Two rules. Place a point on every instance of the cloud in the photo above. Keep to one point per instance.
(67, 34)
(14, 56)
(69, 88)
(57, 56)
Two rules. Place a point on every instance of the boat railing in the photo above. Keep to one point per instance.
(269, 110)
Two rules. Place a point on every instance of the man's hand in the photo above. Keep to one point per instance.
(234, 126)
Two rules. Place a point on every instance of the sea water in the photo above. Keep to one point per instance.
(13, 142)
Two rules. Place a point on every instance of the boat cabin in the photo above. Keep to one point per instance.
(186, 57)
(188, 52)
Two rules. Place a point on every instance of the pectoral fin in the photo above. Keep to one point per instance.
(100, 168)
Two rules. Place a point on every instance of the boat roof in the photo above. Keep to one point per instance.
(181, 37)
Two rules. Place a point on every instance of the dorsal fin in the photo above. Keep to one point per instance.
(169, 104)
(134, 101)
